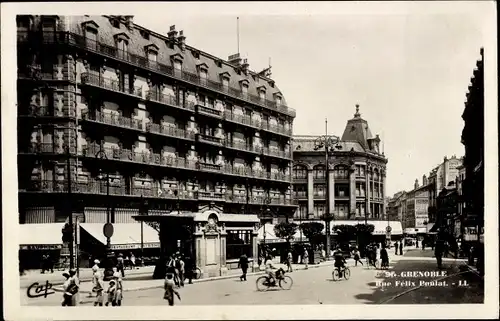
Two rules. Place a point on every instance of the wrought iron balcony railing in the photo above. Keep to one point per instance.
(208, 111)
(210, 139)
(169, 131)
(113, 119)
(170, 100)
(72, 39)
(109, 84)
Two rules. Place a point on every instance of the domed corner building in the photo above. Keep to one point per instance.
(355, 191)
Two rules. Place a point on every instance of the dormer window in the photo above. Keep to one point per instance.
(202, 70)
(244, 86)
(90, 28)
(225, 77)
(262, 92)
(195, 54)
(152, 52)
(218, 63)
(278, 98)
(145, 34)
(115, 23)
(49, 23)
(177, 61)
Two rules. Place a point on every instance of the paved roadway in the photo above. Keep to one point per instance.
(315, 286)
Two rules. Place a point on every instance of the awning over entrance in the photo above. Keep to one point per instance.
(126, 236)
(40, 236)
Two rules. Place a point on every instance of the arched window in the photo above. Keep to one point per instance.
(341, 171)
(299, 172)
(319, 171)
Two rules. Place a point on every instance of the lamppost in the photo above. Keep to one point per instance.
(327, 142)
(266, 212)
(108, 227)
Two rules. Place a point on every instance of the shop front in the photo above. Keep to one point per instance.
(37, 241)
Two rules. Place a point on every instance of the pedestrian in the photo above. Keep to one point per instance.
(306, 258)
(243, 264)
(438, 252)
(120, 265)
(289, 260)
(423, 244)
(66, 301)
(401, 248)
(357, 257)
(170, 290)
(181, 269)
(111, 293)
(323, 254)
(98, 288)
(132, 260)
(396, 247)
(384, 258)
(119, 288)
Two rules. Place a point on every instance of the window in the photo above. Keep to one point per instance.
(319, 210)
(219, 63)
(360, 170)
(341, 172)
(319, 190)
(244, 89)
(238, 242)
(278, 100)
(262, 94)
(299, 172)
(211, 102)
(49, 24)
(319, 172)
(341, 190)
(225, 82)
(91, 34)
(300, 191)
(203, 74)
(123, 45)
(301, 212)
(115, 23)
(152, 56)
(145, 35)
(177, 65)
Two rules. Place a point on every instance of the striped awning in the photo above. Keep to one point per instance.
(40, 236)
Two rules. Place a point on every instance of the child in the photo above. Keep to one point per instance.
(119, 288)
(170, 290)
(111, 293)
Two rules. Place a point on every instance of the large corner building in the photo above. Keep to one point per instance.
(117, 122)
(357, 178)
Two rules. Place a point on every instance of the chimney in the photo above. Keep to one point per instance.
(172, 34)
(424, 180)
(234, 60)
(182, 40)
(129, 22)
(416, 183)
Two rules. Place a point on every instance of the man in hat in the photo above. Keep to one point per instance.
(98, 287)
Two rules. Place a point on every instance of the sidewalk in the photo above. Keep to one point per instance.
(149, 283)
(57, 278)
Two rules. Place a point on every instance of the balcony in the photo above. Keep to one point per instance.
(113, 120)
(248, 121)
(236, 199)
(96, 80)
(342, 197)
(209, 167)
(238, 145)
(301, 195)
(38, 111)
(169, 131)
(319, 196)
(169, 100)
(110, 51)
(35, 72)
(207, 139)
(208, 111)
(211, 196)
(276, 153)
(42, 148)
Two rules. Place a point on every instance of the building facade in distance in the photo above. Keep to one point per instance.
(357, 177)
(439, 178)
(128, 119)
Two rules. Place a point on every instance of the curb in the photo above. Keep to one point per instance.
(216, 278)
(87, 280)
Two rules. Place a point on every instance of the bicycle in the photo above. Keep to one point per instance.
(341, 272)
(283, 281)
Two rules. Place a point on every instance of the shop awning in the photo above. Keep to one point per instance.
(40, 236)
(126, 236)
(430, 227)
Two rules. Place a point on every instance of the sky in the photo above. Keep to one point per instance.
(407, 64)
(408, 71)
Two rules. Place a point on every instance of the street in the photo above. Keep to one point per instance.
(315, 286)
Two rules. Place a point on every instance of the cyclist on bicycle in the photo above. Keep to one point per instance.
(339, 260)
(270, 270)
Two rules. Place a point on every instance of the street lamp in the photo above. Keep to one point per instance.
(327, 142)
(266, 211)
(108, 227)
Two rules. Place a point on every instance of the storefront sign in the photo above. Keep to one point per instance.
(134, 246)
(39, 247)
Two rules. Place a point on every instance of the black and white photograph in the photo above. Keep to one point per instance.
(227, 160)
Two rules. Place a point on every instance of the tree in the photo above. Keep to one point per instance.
(345, 233)
(313, 231)
(286, 230)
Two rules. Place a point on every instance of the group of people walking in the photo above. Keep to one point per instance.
(114, 291)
